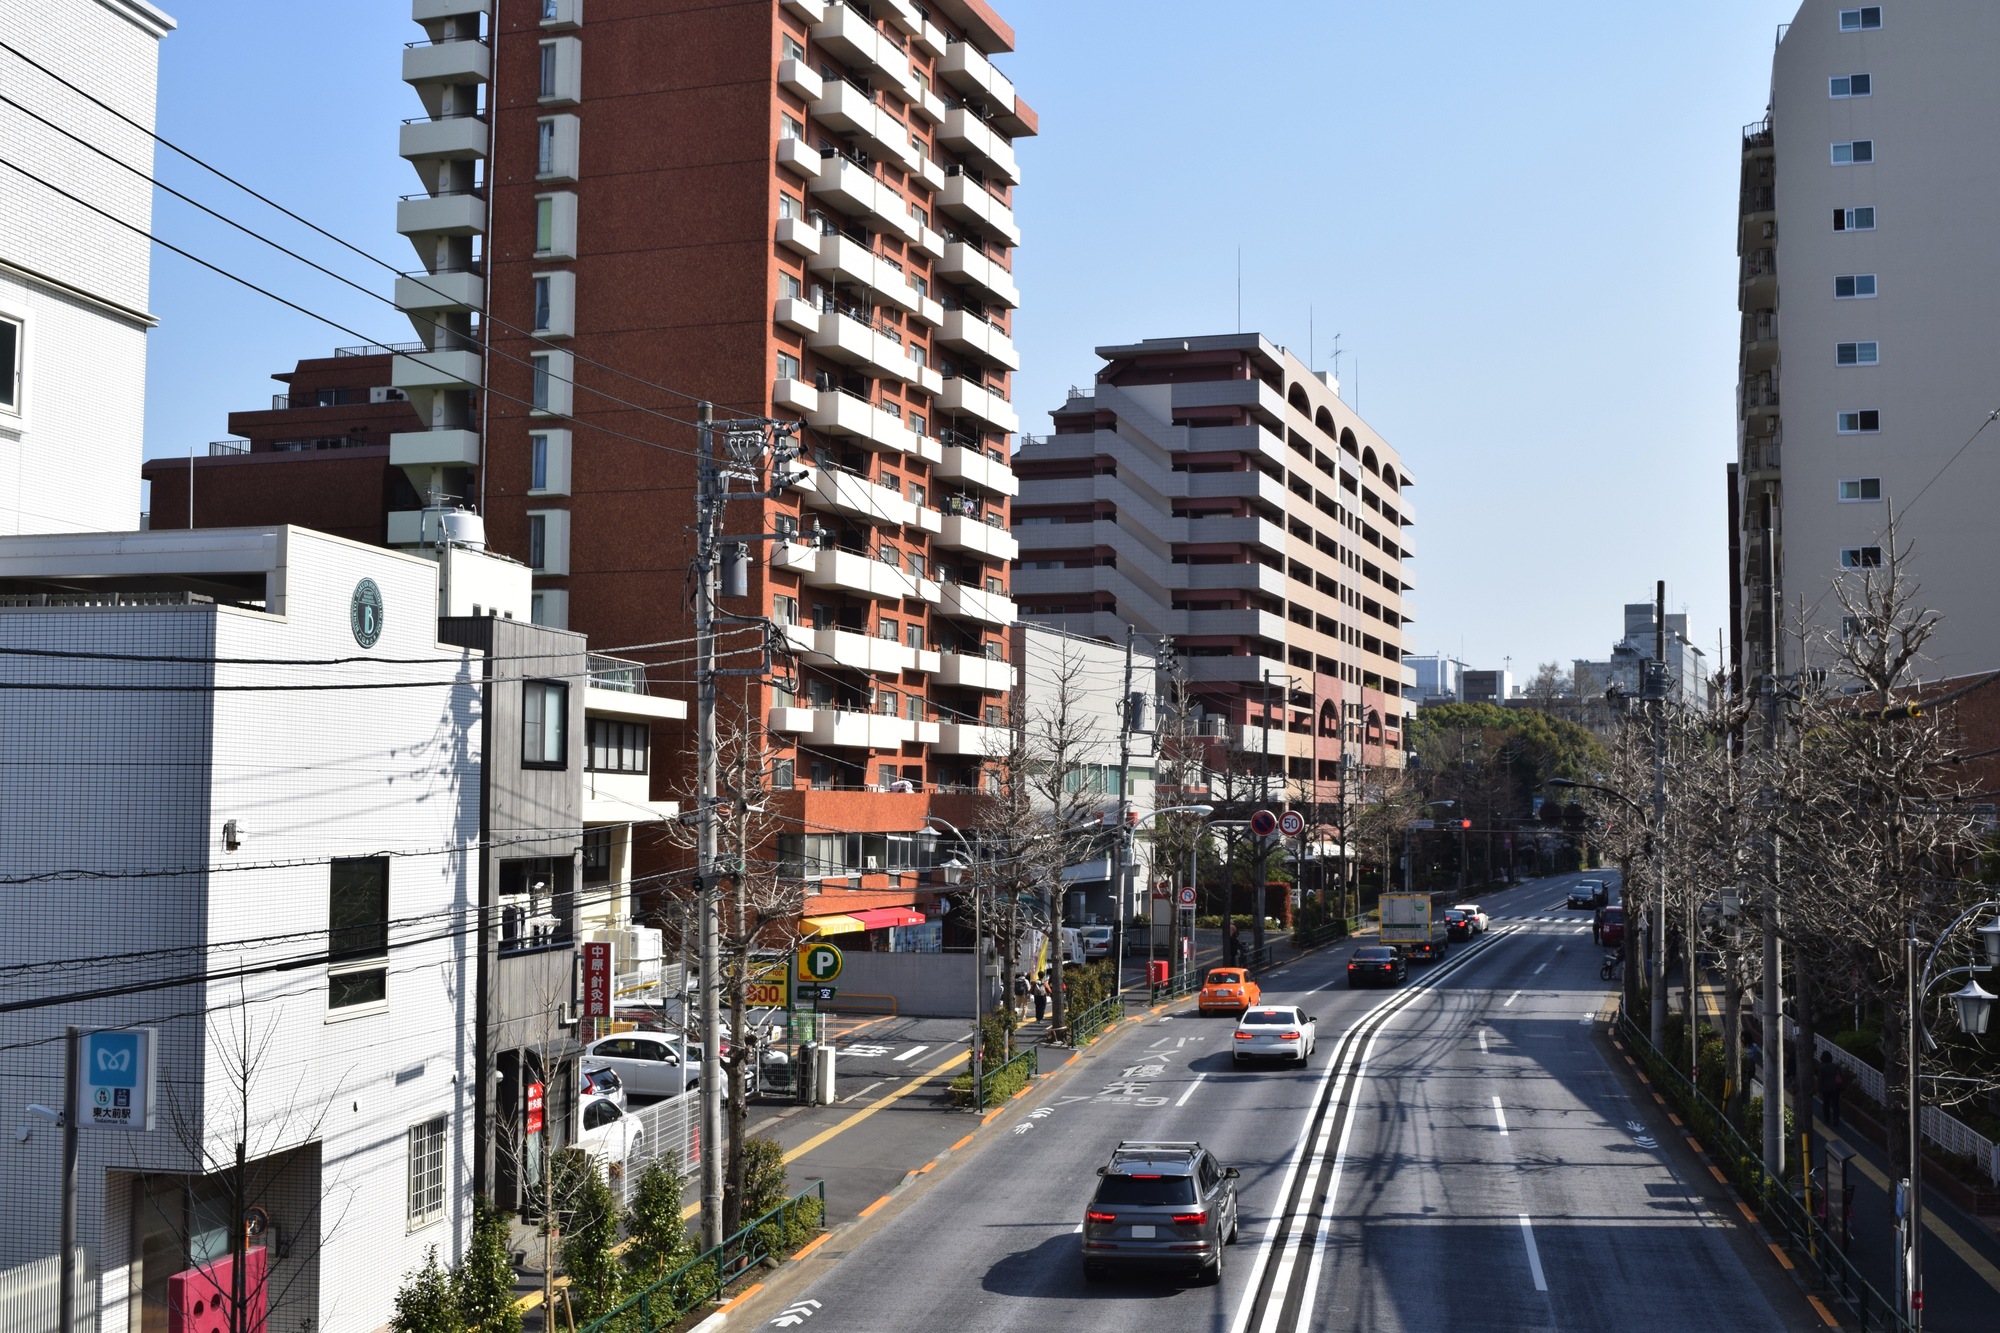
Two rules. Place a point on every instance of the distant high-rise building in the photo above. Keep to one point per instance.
(1868, 193)
(1217, 490)
(1436, 679)
(1687, 666)
(74, 282)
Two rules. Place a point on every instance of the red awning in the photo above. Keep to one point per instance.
(876, 918)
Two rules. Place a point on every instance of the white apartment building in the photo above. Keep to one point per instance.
(73, 284)
(1870, 299)
(241, 808)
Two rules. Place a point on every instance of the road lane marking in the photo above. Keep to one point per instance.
(873, 1206)
(1543, 968)
(822, 1238)
(865, 1091)
(1534, 1255)
(1784, 1260)
(1511, 998)
(1824, 1313)
(1190, 1089)
(912, 1052)
(1482, 1041)
(909, 1086)
(1500, 1114)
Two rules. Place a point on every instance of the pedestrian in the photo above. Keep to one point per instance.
(1753, 1063)
(1832, 1081)
(1041, 991)
(1020, 994)
(1229, 943)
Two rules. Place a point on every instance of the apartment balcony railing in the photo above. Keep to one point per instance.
(1759, 199)
(616, 673)
(225, 448)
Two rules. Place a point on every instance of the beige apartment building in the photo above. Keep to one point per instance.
(1870, 299)
(1218, 491)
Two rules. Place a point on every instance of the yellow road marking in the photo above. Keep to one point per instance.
(1716, 1171)
(1744, 1208)
(811, 1245)
(960, 1144)
(739, 1298)
(1676, 1119)
(873, 1206)
(1958, 1244)
(1784, 1260)
(909, 1086)
(1824, 1313)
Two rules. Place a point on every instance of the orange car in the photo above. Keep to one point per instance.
(1230, 989)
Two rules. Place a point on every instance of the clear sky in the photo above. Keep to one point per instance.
(1522, 231)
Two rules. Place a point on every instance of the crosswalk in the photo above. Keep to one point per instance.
(1559, 919)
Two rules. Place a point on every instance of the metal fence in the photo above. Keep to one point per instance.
(670, 1133)
(1085, 1027)
(1940, 1127)
(1743, 1165)
(31, 1297)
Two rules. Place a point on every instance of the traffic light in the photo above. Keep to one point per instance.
(1465, 823)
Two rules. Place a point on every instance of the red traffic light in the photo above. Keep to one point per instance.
(1465, 823)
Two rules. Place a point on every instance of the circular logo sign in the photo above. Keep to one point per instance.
(1291, 823)
(819, 962)
(1263, 823)
(364, 613)
(1187, 895)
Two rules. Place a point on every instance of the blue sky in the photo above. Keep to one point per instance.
(1521, 231)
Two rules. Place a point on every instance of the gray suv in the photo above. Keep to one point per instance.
(1160, 1204)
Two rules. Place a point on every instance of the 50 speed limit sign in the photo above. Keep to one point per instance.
(1291, 823)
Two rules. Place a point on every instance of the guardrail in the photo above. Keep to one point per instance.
(999, 1083)
(668, 1301)
(1311, 937)
(1178, 984)
(1085, 1027)
(1744, 1166)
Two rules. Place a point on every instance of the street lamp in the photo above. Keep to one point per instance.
(1974, 1004)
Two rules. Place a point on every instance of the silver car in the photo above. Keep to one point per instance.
(646, 1063)
(1160, 1204)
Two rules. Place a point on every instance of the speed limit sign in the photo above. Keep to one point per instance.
(1291, 823)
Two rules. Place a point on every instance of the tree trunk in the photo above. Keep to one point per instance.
(1733, 1082)
(1804, 1057)
(1058, 1002)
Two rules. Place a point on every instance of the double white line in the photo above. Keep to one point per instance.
(1287, 1231)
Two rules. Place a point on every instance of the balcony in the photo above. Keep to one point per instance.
(457, 136)
(866, 576)
(799, 79)
(423, 11)
(971, 738)
(1255, 738)
(441, 291)
(930, 243)
(442, 214)
(853, 40)
(965, 69)
(965, 197)
(798, 234)
(843, 727)
(976, 468)
(840, 337)
(974, 673)
(857, 497)
(969, 266)
(434, 448)
(993, 608)
(458, 60)
(795, 394)
(436, 370)
(796, 155)
(964, 132)
(968, 399)
(963, 533)
(848, 260)
(861, 652)
(848, 110)
(1245, 623)
(1233, 530)
(840, 413)
(969, 332)
(798, 315)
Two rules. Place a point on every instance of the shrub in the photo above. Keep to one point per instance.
(660, 1240)
(596, 1278)
(427, 1301)
(484, 1282)
(763, 1177)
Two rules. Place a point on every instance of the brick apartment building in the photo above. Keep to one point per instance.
(1217, 490)
(813, 222)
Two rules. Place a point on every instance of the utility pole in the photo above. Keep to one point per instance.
(1656, 689)
(1263, 844)
(66, 1272)
(1773, 1029)
(707, 506)
(1125, 866)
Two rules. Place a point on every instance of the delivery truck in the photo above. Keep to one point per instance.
(1409, 923)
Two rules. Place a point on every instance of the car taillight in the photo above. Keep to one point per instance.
(1288, 1036)
(1100, 1217)
(1243, 1036)
(1190, 1219)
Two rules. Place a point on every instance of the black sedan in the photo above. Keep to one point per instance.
(1376, 965)
(1586, 893)
(1457, 925)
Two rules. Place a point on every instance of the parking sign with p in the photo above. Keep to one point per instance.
(819, 962)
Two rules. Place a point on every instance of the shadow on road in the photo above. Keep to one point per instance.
(1053, 1270)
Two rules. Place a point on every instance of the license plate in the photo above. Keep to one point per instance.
(1142, 1233)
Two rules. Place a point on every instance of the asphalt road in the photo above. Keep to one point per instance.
(1381, 1196)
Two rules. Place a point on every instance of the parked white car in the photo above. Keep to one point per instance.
(646, 1063)
(610, 1134)
(1474, 912)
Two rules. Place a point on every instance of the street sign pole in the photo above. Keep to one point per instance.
(72, 1043)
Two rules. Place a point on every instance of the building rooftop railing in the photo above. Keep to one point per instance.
(380, 349)
(616, 673)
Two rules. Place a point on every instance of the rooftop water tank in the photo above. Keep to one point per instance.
(464, 528)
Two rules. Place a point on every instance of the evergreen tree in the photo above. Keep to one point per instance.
(484, 1283)
(428, 1300)
(596, 1278)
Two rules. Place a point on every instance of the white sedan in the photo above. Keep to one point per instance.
(646, 1063)
(1474, 912)
(611, 1135)
(1285, 1033)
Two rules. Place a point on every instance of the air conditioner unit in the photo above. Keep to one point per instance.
(383, 393)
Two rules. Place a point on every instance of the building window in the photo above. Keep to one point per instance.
(562, 61)
(783, 775)
(1857, 287)
(548, 69)
(1857, 354)
(1854, 151)
(10, 365)
(1864, 19)
(427, 1172)
(538, 541)
(793, 50)
(556, 146)
(1849, 85)
(539, 394)
(791, 128)
(790, 288)
(1854, 219)
(617, 747)
(1867, 421)
(1854, 490)
(886, 629)
(1861, 557)
(544, 724)
(541, 324)
(548, 462)
(788, 366)
(913, 636)
(555, 225)
(551, 390)
(785, 609)
(357, 932)
(538, 462)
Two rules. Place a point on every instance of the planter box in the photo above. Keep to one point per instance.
(1938, 1178)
